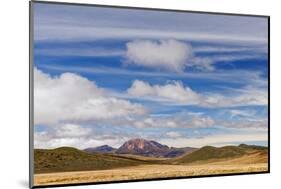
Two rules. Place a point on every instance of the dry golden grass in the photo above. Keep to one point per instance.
(150, 172)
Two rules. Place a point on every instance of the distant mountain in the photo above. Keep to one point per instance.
(176, 152)
(151, 149)
(101, 149)
(142, 147)
(71, 159)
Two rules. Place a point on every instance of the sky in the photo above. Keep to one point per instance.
(106, 75)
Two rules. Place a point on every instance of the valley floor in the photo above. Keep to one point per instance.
(147, 172)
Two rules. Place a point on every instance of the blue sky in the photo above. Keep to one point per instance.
(106, 75)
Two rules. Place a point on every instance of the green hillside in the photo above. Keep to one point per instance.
(71, 159)
(252, 147)
(210, 152)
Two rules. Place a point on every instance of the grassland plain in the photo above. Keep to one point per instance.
(69, 165)
(146, 172)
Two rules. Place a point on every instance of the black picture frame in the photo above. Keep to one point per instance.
(31, 92)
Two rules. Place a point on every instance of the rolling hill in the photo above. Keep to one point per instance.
(71, 159)
(226, 152)
(67, 159)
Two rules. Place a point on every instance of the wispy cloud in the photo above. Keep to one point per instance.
(79, 52)
(243, 113)
(170, 55)
(229, 49)
(55, 22)
(230, 76)
(60, 33)
(100, 50)
(217, 140)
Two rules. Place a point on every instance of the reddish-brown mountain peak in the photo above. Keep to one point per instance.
(142, 147)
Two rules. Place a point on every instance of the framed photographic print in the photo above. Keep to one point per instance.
(122, 94)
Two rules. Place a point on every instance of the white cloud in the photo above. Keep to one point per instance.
(47, 141)
(81, 137)
(175, 93)
(173, 134)
(70, 97)
(72, 130)
(242, 97)
(75, 135)
(201, 121)
(198, 120)
(166, 54)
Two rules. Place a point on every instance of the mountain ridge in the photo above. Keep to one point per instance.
(151, 148)
(101, 149)
(143, 147)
